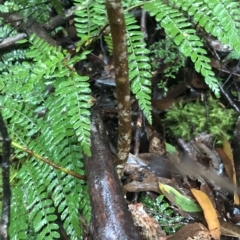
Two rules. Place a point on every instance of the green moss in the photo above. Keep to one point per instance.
(188, 120)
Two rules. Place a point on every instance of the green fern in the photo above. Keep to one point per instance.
(131, 3)
(19, 216)
(108, 40)
(90, 17)
(179, 29)
(36, 9)
(61, 135)
(57, 5)
(57, 126)
(219, 18)
(139, 67)
(232, 55)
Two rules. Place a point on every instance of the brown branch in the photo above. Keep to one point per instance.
(59, 20)
(11, 41)
(118, 31)
(31, 26)
(111, 218)
(17, 22)
(6, 199)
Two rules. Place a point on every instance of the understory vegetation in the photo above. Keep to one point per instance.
(46, 85)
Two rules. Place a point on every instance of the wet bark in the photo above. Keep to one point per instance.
(110, 216)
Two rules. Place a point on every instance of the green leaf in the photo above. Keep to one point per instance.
(178, 199)
(170, 148)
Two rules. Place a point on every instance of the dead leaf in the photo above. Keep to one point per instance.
(192, 231)
(209, 213)
(230, 229)
(227, 147)
(205, 188)
(236, 149)
(163, 104)
(156, 144)
(227, 158)
(228, 164)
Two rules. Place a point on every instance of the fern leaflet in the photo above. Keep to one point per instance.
(179, 29)
(139, 67)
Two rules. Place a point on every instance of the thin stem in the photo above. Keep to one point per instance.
(118, 31)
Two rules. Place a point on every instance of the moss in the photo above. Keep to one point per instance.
(188, 120)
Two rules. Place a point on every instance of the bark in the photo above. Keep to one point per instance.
(6, 189)
(110, 216)
(118, 32)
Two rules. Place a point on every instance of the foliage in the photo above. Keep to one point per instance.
(61, 133)
(190, 119)
(232, 55)
(139, 67)
(90, 17)
(13, 57)
(46, 103)
(165, 52)
(211, 16)
(161, 211)
(165, 55)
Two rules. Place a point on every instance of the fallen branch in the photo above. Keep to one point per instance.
(110, 216)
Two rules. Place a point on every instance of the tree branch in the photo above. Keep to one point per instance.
(110, 216)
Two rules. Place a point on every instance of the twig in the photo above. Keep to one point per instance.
(143, 24)
(59, 20)
(137, 135)
(6, 200)
(226, 95)
(11, 41)
(118, 31)
(31, 26)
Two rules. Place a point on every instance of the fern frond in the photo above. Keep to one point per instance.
(19, 216)
(179, 29)
(61, 135)
(74, 99)
(72, 90)
(58, 7)
(139, 67)
(227, 13)
(108, 40)
(37, 9)
(232, 55)
(219, 18)
(63, 148)
(90, 17)
(132, 3)
(41, 213)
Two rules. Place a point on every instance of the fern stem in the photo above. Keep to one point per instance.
(118, 32)
(62, 169)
